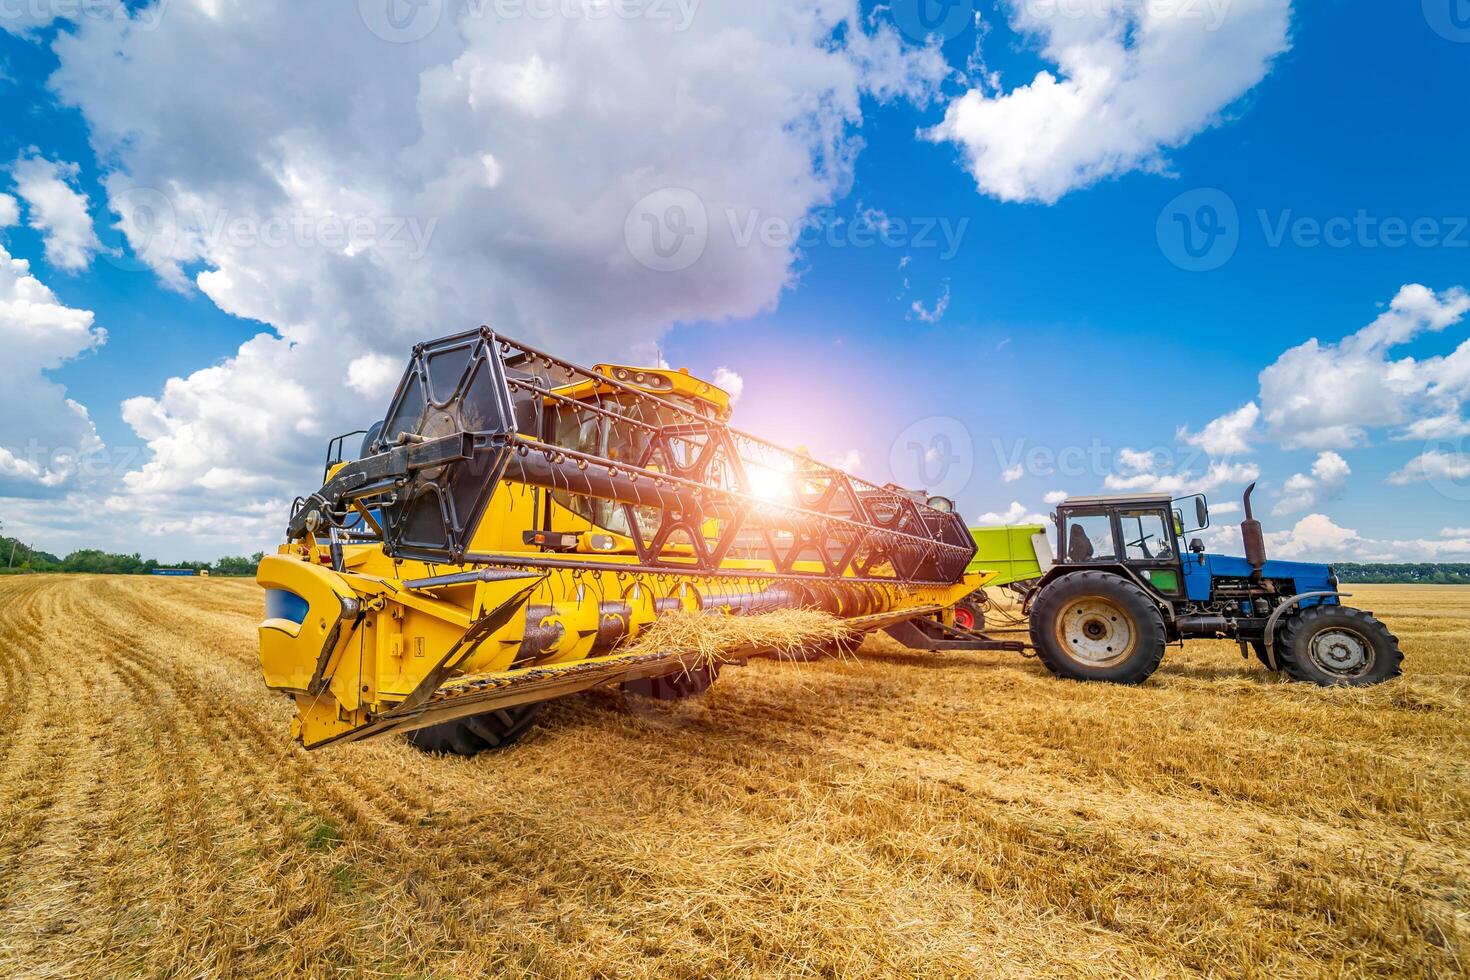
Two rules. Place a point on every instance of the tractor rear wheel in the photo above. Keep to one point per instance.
(1338, 645)
(477, 733)
(1095, 626)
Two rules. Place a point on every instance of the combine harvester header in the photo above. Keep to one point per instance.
(517, 521)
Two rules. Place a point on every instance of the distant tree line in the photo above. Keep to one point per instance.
(16, 557)
(1416, 573)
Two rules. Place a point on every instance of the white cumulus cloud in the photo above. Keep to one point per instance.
(731, 381)
(46, 436)
(1434, 465)
(374, 375)
(57, 210)
(1330, 396)
(1326, 482)
(493, 172)
(1016, 513)
(1228, 435)
(1317, 537)
(1131, 81)
(1220, 473)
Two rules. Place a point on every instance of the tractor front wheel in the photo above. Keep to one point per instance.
(1338, 645)
(1095, 626)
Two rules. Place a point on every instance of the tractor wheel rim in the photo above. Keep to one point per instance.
(1095, 632)
(964, 619)
(1342, 652)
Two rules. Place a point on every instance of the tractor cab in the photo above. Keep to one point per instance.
(1143, 534)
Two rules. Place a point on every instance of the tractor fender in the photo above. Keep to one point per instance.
(1270, 638)
(1166, 609)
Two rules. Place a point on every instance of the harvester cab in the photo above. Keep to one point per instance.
(1128, 580)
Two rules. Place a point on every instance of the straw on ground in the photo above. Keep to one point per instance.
(894, 814)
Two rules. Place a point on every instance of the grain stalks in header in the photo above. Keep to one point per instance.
(520, 528)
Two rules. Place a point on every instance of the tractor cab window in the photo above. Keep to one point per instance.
(1089, 537)
(1146, 536)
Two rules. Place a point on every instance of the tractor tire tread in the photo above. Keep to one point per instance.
(1300, 626)
(1151, 642)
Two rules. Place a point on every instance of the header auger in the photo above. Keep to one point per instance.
(516, 520)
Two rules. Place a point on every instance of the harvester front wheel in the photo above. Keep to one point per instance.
(833, 649)
(477, 733)
(676, 686)
(1338, 645)
(1095, 626)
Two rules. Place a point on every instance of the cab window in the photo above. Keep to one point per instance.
(1089, 537)
(1146, 536)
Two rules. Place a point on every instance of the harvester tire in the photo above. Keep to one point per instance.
(477, 733)
(676, 686)
(1338, 646)
(970, 615)
(1096, 626)
(839, 649)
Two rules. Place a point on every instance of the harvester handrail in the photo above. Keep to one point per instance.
(700, 489)
(506, 343)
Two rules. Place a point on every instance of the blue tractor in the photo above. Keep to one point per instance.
(1124, 585)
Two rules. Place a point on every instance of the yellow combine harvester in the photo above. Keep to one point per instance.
(516, 521)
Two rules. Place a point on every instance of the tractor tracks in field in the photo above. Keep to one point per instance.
(144, 762)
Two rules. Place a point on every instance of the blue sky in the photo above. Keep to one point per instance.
(963, 255)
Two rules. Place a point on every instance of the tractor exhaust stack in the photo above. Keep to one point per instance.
(1253, 537)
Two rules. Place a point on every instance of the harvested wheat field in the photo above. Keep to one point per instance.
(894, 815)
